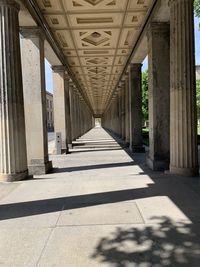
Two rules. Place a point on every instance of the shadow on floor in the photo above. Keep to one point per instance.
(189, 206)
(95, 150)
(167, 244)
(164, 244)
(29, 208)
(93, 167)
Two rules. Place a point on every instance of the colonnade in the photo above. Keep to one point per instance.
(72, 117)
(172, 97)
(23, 127)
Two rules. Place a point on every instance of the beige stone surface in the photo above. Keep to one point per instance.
(32, 46)
(13, 156)
(183, 117)
(159, 95)
(60, 104)
(100, 207)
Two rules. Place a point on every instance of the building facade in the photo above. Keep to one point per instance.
(50, 115)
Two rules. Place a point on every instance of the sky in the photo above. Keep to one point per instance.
(48, 71)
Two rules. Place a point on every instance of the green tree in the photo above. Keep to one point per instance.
(197, 7)
(145, 110)
(198, 98)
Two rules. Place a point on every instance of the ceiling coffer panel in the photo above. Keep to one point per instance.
(96, 37)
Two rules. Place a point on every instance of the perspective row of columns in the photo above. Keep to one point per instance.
(172, 96)
(72, 117)
(124, 116)
(23, 127)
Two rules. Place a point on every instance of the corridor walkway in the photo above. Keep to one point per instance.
(103, 208)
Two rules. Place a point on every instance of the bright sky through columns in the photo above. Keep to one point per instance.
(48, 71)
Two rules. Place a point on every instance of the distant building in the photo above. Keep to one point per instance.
(198, 72)
(50, 116)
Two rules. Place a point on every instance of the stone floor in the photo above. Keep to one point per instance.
(100, 207)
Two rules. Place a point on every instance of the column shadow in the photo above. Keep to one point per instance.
(93, 167)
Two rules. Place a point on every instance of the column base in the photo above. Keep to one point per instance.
(13, 177)
(127, 143)
(65, 151)
(184, 171)
(137, 149)
(157, 165)
(38, 169)
(70, 146)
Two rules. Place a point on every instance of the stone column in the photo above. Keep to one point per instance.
(183, 119)
(71, 96)
(68, 116)
(135, 107)
(123, 109)
(32, 45)
(159, 95)
(13, 160)
(127, 111)
(60, 105)
(120, 111)
(76, 112)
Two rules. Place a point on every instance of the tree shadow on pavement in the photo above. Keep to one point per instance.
(164, 244)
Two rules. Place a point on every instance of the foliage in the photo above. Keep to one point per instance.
(198, 98)
(145, 111)
(197, 7)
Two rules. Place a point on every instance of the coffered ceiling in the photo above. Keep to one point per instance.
(96, 36)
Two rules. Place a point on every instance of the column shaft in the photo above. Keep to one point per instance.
(68, 110)
(159, 96)
(127, 111)
(120, 111)
(60, 104)
(13, 159)
(32, 44)
(135, 101)
(183, 122)
(123, 110)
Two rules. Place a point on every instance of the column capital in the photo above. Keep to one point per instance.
(67, 77)
(10, 3)
(159, 26)
(32, 32)
(122, 83)
(71, 84)
(172, 2)
(58, 68)
(135, 66)
(126, 75)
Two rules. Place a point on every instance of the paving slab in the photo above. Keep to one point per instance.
(103, 214)
(123, 246)
(22, 247)
(6, 189)
(101, 206)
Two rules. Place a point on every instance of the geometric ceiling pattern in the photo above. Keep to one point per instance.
(96, 36)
